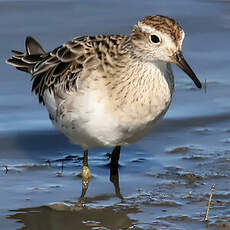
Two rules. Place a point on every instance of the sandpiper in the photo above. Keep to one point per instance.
(108, 90)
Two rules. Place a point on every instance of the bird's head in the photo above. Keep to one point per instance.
(159, 38)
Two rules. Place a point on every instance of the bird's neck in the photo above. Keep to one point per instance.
(148, 73)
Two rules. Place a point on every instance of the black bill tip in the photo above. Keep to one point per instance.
(179, 60)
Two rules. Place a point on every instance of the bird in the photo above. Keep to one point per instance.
(107, 90)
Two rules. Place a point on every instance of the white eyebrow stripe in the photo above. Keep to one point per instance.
(146, 28)
(182, 39)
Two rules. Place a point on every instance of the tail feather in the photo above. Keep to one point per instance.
(33, 46)
(26, 61)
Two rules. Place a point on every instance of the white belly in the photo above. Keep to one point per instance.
(86, 120)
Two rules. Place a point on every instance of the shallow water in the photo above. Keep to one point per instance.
(165, 179)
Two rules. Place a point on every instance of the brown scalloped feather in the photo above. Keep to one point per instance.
(60, 69)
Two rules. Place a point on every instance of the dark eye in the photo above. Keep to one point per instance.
(154, 39)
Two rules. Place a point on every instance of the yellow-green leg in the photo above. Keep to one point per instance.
(86, 174)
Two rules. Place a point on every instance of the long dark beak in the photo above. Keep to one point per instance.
(179, 60)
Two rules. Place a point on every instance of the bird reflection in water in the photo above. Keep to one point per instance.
(79, 215)
(114, 173)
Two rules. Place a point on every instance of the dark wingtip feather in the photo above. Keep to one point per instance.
(16, 62)
(33, 58)
(17, 52)
(24, 69)
(19, 64)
